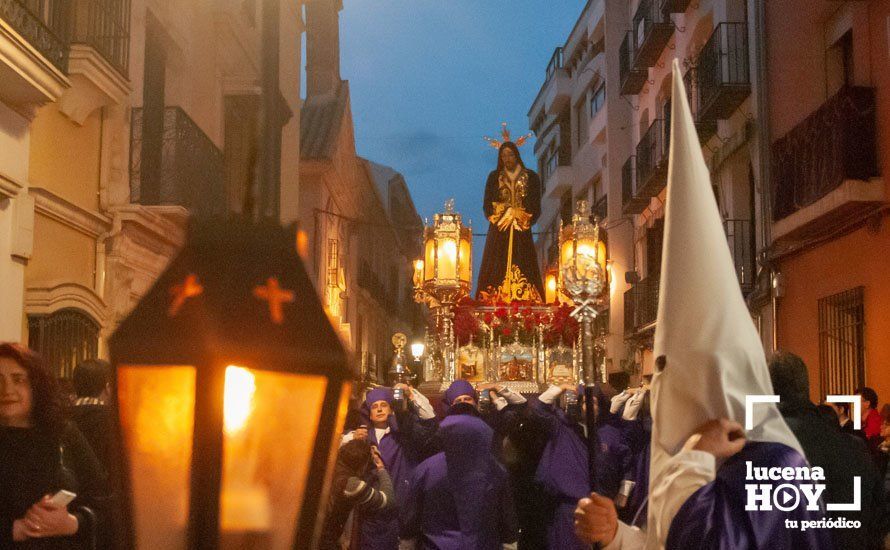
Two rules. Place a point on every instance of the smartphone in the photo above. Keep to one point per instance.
(63, 498)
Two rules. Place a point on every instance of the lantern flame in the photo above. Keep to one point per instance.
(238, 403)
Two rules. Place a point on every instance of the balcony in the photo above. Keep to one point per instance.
(556, 175)
(652, 159)
(705, 128)
(740, 236)
(104, 25)
(601, 207)
(28, 79)
(653, 29)
(631, 201)
(723, 73)
(823, 169)
(44, 24)
(178, 166)
(632, 79)
(558, 86)
(641, 306)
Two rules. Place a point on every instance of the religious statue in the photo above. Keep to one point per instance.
(512, 205)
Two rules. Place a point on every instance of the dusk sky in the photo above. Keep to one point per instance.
(429, 78)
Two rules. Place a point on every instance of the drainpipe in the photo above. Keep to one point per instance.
(763, 143)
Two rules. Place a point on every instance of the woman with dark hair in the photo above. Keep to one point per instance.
(871, 418)
(41, 454)
(512, 205)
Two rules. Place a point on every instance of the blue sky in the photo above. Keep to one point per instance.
(429, 78)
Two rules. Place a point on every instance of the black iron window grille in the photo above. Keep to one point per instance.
(842, 341)
(64, 339)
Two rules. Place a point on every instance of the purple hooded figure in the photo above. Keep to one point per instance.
(460, 391)
(563, 470)
(460, 498)
(401, 438)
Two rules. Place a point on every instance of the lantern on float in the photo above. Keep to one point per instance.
(447, 263)
(230, 385)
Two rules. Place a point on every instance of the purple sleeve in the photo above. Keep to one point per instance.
(714, 517)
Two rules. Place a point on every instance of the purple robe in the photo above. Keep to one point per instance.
(460, 498)
(563, 471)
(714, 517)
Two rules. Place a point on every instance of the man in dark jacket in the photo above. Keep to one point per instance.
(91, 412)
(840, 455)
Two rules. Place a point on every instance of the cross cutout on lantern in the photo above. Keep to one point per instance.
(276, 296)
(189, 288)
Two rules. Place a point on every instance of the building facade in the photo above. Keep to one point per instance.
(602, 120)
(829, 121)
(360, 225)
(141, 116)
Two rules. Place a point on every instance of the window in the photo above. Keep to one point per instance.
(597, 100)
(63, 339)
(581, 121)
(842, 341)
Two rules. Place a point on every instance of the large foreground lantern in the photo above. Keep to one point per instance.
(584, 278)
(230, 385)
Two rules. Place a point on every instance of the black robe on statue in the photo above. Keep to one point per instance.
(500, 194)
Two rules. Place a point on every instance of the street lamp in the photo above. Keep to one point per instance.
(230, 386)
(583, 278)
(444, 276)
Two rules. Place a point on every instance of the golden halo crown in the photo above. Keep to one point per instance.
(505, 137)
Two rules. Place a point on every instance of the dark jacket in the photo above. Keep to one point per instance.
(95, 423)
(841, 456)
(34, 464)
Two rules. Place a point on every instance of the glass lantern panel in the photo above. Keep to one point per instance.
(466, 262)
(270, 427)
(429, 263)
(566, 255)
(601, 254)
(447, 251)
(157, 411)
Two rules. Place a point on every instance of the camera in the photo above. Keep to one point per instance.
(572, 405)
(399, 399)
(483, 400)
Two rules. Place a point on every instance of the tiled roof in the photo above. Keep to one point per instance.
(320, 119)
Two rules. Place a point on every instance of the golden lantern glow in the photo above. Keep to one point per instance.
(551, 285)
(583, 256)
(447, 263)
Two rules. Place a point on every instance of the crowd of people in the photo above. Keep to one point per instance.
(496, 469)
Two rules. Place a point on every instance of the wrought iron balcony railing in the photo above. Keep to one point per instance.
(45, 24)
(740, 236)
(601, 207)
(105, 26)
(705, 128)
(652, 159)
(632, 79)
(641, 305)
(724, 77)
(653, 29)
(179, 166)
(631, 201)
(835, 143)
(554, 64)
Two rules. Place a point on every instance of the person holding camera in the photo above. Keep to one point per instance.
(401, 423)
(351, 491)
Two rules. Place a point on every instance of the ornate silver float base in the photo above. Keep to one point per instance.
(438, 388)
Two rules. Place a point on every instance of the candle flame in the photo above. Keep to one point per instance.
(240, 388)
